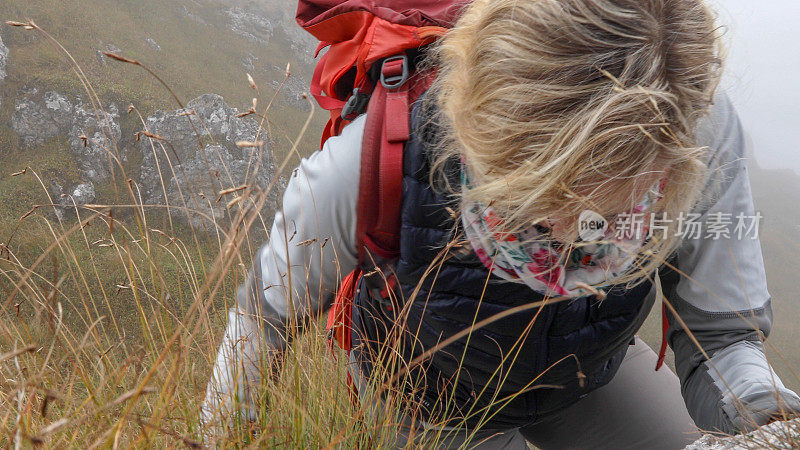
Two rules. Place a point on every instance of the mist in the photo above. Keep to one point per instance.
(762, 75)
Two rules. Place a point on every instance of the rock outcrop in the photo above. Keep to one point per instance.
(90, 133)
(777, 435)
(253, 27)
(191, 156)
(3, 60)
(81, 194)
(199, 158)
(153, 44)
(293, 90)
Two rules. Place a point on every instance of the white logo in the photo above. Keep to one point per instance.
(591, 226)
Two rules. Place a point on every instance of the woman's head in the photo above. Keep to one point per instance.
(558, 106)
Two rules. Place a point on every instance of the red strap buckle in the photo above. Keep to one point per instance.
(394, 72)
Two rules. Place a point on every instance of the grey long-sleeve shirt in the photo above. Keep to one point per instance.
(721, 295)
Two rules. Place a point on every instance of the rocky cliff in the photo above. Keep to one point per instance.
(184, 158)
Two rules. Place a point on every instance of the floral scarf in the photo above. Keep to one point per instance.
(539, 263)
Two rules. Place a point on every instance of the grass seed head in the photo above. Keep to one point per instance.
(121, 58)
(249, 144)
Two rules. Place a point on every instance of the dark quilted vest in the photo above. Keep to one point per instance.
(513, 371)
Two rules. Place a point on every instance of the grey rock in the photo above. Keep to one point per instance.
(152, 43)
(80, 194)
(83, 193)
(293, 89)
(253, 27)
(59, 104)
(101, 130)
(777, 435)
(113, 49)
(193, 169)
(195, 17)
(210, 117)
(3, 60)
(37, 119)
(34, 122)
(249, 62)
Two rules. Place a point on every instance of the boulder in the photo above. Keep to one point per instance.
(83, 193)
(194, 156)
(35, 123)
(100, 130)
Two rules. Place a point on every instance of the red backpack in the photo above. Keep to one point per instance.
(369, 67)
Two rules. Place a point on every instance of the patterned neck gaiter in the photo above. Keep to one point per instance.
(534, 258)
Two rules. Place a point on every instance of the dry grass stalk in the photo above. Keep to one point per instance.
(232, 190)
(17, 352)
(121, 58)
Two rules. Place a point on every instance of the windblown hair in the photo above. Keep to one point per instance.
(558, 106)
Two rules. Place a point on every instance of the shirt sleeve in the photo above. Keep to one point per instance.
(312, 241)
(311, 247)
(721, 295)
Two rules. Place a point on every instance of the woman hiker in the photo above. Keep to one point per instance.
(574, 153)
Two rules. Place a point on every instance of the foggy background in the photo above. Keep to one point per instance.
(762, 75)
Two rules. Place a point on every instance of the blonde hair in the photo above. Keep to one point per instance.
(558, 106)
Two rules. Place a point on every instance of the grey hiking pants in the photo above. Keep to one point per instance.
(638, 409)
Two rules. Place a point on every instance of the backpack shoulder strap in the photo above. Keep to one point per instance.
(386, 131)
